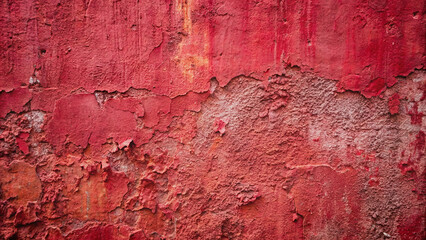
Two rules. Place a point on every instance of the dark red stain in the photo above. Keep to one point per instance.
(419, 145)
(416, 116)
(393, 103)
(411, 227)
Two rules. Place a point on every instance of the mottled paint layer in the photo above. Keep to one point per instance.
(206, 119)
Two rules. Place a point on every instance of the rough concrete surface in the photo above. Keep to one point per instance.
(208, 119)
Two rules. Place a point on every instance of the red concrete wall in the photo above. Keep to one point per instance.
(208, 119)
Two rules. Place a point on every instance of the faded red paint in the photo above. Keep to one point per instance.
(204, 119)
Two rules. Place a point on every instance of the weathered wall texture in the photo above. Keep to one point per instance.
(212, 119)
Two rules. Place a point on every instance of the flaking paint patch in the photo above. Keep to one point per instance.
(212, 120)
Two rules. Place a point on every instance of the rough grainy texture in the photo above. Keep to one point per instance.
(207, 119)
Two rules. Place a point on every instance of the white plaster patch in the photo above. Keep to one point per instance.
(36, 120)
(33, 80)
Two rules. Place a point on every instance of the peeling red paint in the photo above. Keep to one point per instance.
(219, 125)
(80, 120)
(13, 101)
(21, 142)
(374, 88)
(20, 183)
(212, 119)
